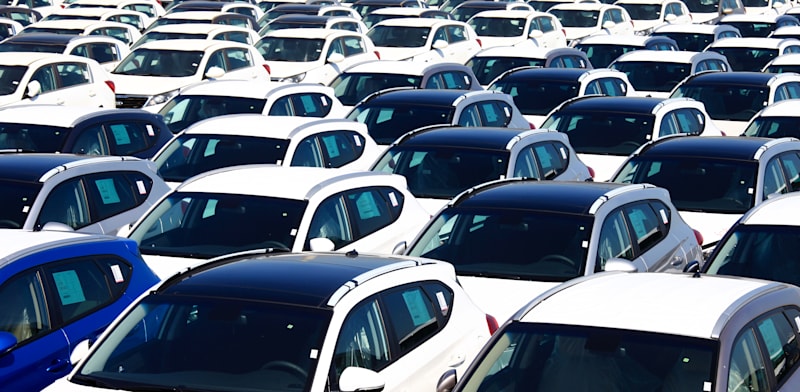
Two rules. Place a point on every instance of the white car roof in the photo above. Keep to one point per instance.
(582, 6)
(415, 22)
(57, 115)
(15, 242)
(671, 56)
(196, 28)
(618, 2)
(511, 14)
(248, 89)
(190, 44)
(28, 58)
(786, 59)
(395, 67)
(96, 12)
(299, 183)
(751, 42)
(511, 51)
(410, 11)
(615, 39)
(677, 304)
(692, 28)
(309, 33)
(782, 210)
(254, 125)
(77, 23)
(770, 18)
(195, 15)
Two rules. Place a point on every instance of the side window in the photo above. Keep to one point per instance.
(237, 36)
(791, 169)
(372, 209)
(614, 87)
(747, 370)
(594, 87)
(788, 90)
(131, 138)
(774, 180)
(238, 58)
(690, 121)
(495, 113)
(647, 229)
(780, 343)
(456, 34)
(615, 240)
(353, 46)
(526, 166)
(81, 286)
(362, 341)
(66, 204)
(470, 117)
(412, 315)
(46, 78)
(92, 141)
(553, 159)
(112, 193)
(607, 17)
(435, 82)
(341, 147)
(546, 24)
(336, 47)
(454, 80)
(307, 153)
(349, 26)
(24, 312)
(330, 221)
(440, 35)
(72, 74)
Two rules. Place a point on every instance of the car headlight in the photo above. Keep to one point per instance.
(294, 78)
(158, 99)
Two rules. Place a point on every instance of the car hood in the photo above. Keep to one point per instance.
(149, 85)
(389, 53)
(604, 166)
(579, 32)
(711, 226)
(731, 128)
(536, 120)
(502, 298)
(282, 69)
(639, 25)
(490, 42)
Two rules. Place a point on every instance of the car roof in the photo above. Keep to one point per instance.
(415, 22)
(680, 56)
(622, 104)
(253, 125)
(16, 243)
(786, 59)
(427, 97)
(196, 28)
(248, 89)
(189, 44)
(655, 302)
(740, 148)
(410, 11)
(503, 13)
(309, 279)
(401, 67)
(749, 42)
(57, 115)
(622, 39)
(32, 167)
(731, 78)
(49, 38)
(778, 210)
(28, 58)
(564, 196)
(533, 52)
(785, 108)
(309, 33)
(303, 18)
(582, 6)
(693, 28)
(77, 23)
(551, 73)
(484, 138)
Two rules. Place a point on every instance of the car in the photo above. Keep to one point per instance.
(290, 21)
(155, 71)
(51, 78)
(752, 54)
(43, 7)
(22, 14)
(210, 31)
(133, 18)
(121, 31)
(467, 9)
(384, 13)
(621, 331)
(538, 91)
(695, 37)
(602, 50)
(213, 98)
(713, 181)
(219, 17)
(314, 55)
(779, 119)
(240, 139)
(441, 162)
(299, 209)
(544, 5)
(751, 25)
(391, 113)
(361, 80)
(60, 288)
(306, 9)
(490, 63)
(789, 62)
(370, 322)
(76, 192)
(653, 74)
(649, 14)
(511, 240)
(512, 28)
(9, 27)
(424, 39)
(767, 7)
(82, 130)
(709, 12)
(364, 7)
(762, 244)
(786, 32)
(105, 50)
(584, 19)
(240, 7)
(151, 8)
(733, 98)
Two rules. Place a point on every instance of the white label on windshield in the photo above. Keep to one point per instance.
(140, 185)
(663, 216)
(706, 386)
(117, 274)
(150, 131)
(314, 353)
(584, 244)
(293, 232)
(25, 209)
(393, 199)
(508, 112)
(797, 322)
(749, 191)
(442, 303)
(563, 152)
(358, 140)
(324, 101)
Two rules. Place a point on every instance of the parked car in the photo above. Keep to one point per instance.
(134, 18)
(58, 289)
(294, 21)
(695, 37)
(312, 321)
(151, 8)
(490, 63)
(602, 50)
(781, 119)
(513, 28)
(512, 240)
(789, 62)
(649, 14)
(105, 50)
(384, 13)
(424, 39)
(211, 31)
(752, 54)
(219, 17)
(621, 331)
(751, 24)
(653, 74)
(584, 19)
(121, 31)
(709, 12)
(467, 9)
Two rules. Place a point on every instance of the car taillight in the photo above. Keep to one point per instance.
(698, 236)
(723, 133)
(266, 66)
(111, 85)
(378, 54)
(479, 42)
(591, 171)
(564, 31)
(531, 126)
(492, 323)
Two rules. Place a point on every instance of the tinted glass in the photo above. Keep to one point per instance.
(487, 69)
(387, 123)
(184, 110)
(10, 77)
(774, 127)
(606, 133)
(290, 49)
(726, 102)
(32, 138)
(759, 251)
(16, 201)
(747, 59)
(169, 63)
(577, 18)
(601, 55)
(399, 36)
(538, 97)
(653, 76)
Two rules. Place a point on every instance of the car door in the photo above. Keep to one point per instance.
(685, 120)
(458, 80)
(787, 90)
(461, 44)
(333, 149)
(544, 161)
(615, 87)
(552, 37)
(781, 175)
(237, 62)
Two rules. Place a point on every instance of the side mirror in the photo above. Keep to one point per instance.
(447, 381)
(34, 88)
(670, 17)
(536, 34)
(360, 379)
(57, 226)
(692, 267)
(619, 264)
(214, 73)
(80, 351)
(727, 11)
(7, 342)
(335, 58)
(400, 248)
(124, 231)
(440, 44)
(609, 24)
(322, 244)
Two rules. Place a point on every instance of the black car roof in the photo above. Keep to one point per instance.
(551, 73)
(303, 18)
(427, 97)
(43, 38)
(307, 279)
(29, 167)
(730, 78)
(625, 104)
(561, 196)
(485, 138)
(726, 147)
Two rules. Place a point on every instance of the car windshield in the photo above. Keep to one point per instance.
(653, 76)
(486, 69)
(10, 77)
(753, 29)
(551, 357)
(726, 102)
(538, 97)
(188, 154)
(603, 133)
(774, 127)
(759, 251)
(576, 18)
(700, 184)
(693, 42)
(399, 36)
(184, 110)
(747, 59)
(32, 138)
(34, 29)
(443, 172)
(206, 225)
(701, 6)
(351, 88)
(387, 123)
(206, 343)
(160, 62)
(16, 201)
(157, 36)
(465, 13)
(32, 47)
(601, 55)
(545, 5)
(498, 27)
(781, 68)
(290, 49)
(278, 25)
(372, 18)
(643, 11)
(508, 243)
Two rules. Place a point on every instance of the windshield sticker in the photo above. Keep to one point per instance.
(108, 192)
(69, 287)
(563, 152)
(120, 133)
(331, 146)
(416, 307)
(324, 100)
(25, 209)
(663, 216)
(366, 206)
(357, 140)
(150, 131)
(314, 354)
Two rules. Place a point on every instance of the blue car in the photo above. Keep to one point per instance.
(57, 289)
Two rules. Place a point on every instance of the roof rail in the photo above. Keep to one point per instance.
(616, 192)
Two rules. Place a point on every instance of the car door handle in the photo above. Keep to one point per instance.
(456, 360)
(58, 366)
(677, 261)
(59, 101)
(92, 93)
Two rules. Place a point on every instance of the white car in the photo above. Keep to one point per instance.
(602, 50)
(649, 14)
(424, 39)
(380, 14)
(291, 21)
(512, 28)
(220, 17)
(654, 74)
(694, 36)
(585, 19)
(219, 97)
(133, 18)
(154, 72)
(151, 8)
(313, 55)
(54, 79)
(289, 209)
(212, 31)
(240, 139)
(121, 31)
(777, 120)
(105, 50)
(9, 27)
